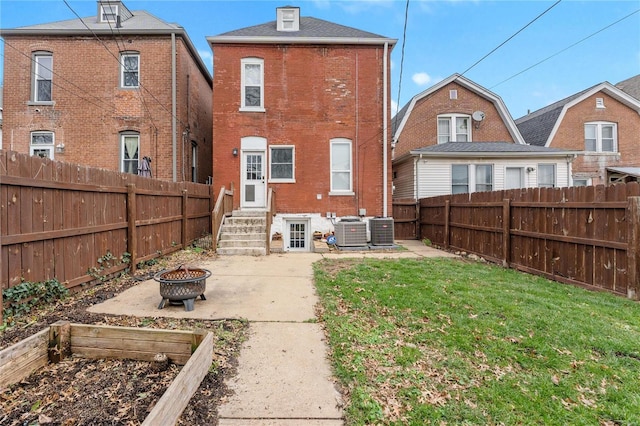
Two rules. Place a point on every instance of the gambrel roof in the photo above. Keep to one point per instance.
(539, 127)
(399, 120)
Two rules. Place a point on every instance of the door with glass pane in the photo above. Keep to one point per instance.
(297, 235)
(514, 178)
(253, 183)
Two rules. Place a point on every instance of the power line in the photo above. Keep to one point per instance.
(404, 39)
(567, 48)
(507, 40)
(140, 85)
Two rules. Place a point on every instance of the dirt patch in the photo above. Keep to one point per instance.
(79, 391)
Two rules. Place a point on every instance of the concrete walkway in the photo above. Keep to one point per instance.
(284, 376)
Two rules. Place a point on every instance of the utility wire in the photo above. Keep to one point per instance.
(507, 40)
(567, 48)
(119, 62)
(404, 39)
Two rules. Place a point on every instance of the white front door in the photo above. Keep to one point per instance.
(254, 188)
(514, 178)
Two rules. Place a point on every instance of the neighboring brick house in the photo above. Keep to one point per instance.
(108, 91)
(603, 121)
(302, 106)
(458, 137)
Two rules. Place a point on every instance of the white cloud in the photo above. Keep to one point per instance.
(421, 78)
(394, 107)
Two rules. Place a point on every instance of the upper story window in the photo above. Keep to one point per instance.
(546, 175)
(252, 96)
(454, 128)
(282, 162)
(129, 152)
(130, 70)
(288, 19)
(108, 12)
(341, 166)
(42, 76)
(600, 137)
(42, 144)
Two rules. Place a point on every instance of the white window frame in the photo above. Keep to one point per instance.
(123, 168)
(555, 176)
(48, 147)
(334, 143)
(472, 182)
(453, 135)
(291, 179)
(39, 71)
(108, 10)
(586, 180)
(243, 106)
(194, 162)
(123, 70)
(599, 126)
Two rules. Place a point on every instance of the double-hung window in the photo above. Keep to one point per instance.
(252, 96)
(454, 128)
(471, 178)
(130, 70)
(341, 166)
(600, 136)
(282, 164)
(546, 175)
(129, 152)
(42, 143)
(108, 12)
(42, 76)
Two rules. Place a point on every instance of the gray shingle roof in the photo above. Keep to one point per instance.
(141, 22)
(488, 148)
(631, 86)
(536, 127)
(309, 28)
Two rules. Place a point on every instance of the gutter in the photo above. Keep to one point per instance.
(300, 40)
(494, 154)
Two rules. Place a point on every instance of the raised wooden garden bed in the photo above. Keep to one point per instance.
(194, 350)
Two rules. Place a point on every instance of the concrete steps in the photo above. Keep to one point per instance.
(243, 234)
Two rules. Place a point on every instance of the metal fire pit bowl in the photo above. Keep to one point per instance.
(182, 286)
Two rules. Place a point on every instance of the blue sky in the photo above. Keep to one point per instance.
(443, 37)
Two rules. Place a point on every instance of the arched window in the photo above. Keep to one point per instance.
(129, 152)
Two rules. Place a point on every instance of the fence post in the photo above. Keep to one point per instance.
(417, 228)
(132, 213)
(447, 211)
(506, 236)
(633, 247)
(185, 218)
(212, 206)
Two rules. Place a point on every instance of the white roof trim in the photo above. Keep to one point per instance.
(479, 154)
(606, 87)
(495, 99)
(300, 40)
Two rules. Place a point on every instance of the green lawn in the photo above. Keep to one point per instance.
(448, 341)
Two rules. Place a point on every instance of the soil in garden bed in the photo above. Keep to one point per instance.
(79, 391)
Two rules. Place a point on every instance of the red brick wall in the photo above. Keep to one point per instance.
(312, 94)
(570, 135)
(421, 128)
(90, 109)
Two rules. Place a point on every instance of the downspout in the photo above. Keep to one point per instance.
(174, 140)
(385, 154)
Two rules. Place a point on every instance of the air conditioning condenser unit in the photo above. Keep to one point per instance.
(351, 233)
(381, 231)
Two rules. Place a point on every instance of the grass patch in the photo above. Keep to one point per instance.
(447, 341)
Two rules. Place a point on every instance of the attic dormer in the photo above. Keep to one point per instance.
(288, 18)
(112, 11)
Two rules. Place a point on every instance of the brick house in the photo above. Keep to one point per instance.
(301, 106)
(603, 121)
(458, 137)
(107, 91)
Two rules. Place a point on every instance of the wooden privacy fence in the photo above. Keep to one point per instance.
(77, 224)
(587, 236)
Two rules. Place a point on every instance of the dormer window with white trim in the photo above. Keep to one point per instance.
(288, 18)
(108, 12)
